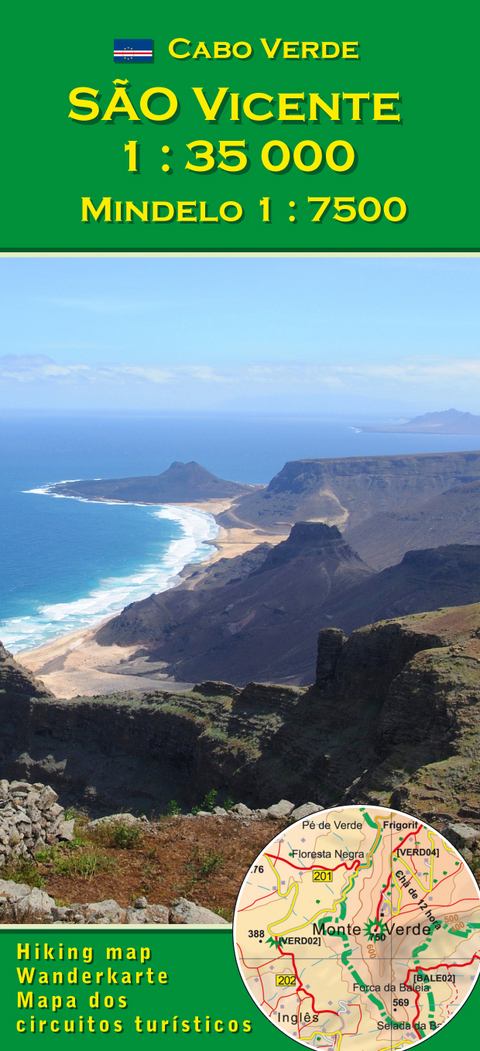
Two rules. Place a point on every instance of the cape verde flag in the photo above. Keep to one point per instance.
(133, 50)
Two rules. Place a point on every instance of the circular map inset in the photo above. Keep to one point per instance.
(358, 926)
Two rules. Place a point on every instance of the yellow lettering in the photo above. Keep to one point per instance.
(184, 216)
(210, 111)
(330, 43)
(230, 218)
(271, 51)
(172, 46)
(151, 93)
(204, 218)
(355, 100)
(221, 49)
(25, 1000)
(347, 46)
(316, 102)
(156, 218)
(242, 43)
(250, 100)
(289, 48)
(87, 207)
(92, 108)
(120, 96)
(380, 106)
(130, 207)
(202, 51)
(288, 110)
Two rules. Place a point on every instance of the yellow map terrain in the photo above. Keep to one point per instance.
(359, 926)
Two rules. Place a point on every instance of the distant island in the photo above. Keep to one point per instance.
(451, 421)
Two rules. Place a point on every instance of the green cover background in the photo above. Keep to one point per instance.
(427, 51)
(203, 979)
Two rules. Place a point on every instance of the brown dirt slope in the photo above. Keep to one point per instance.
(452, 517)
(424, 580)
(200, 858)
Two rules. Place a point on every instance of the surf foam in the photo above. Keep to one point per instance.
(112, 594)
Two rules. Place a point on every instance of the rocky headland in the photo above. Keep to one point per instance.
(184, 483)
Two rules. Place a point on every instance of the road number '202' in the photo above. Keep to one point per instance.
(347, 213)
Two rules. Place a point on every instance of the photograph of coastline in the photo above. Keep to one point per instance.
(241, 537)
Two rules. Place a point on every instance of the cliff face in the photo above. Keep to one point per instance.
(394, 718)
(424, 580)
(262, 627)
(181, 483)
(350, 490)
(335, 491)
(453, 517)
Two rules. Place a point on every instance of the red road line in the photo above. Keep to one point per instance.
(435, 967)
(308, 868)
(402, 841)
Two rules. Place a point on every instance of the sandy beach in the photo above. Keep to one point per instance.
(75, 665)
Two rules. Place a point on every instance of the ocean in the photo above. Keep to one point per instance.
(67, 564)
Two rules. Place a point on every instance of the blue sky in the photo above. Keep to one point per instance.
(330, 336)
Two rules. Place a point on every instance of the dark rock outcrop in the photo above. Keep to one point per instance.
(16, 679)
(329, 647)
(395, 721)
(263, 627)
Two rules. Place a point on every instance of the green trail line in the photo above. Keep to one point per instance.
(378, 1003)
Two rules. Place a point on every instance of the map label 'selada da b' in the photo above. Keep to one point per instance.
(132, 50)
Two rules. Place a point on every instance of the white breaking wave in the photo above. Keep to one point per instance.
(113, 593)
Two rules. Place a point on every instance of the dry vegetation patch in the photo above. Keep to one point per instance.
(204, 859)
